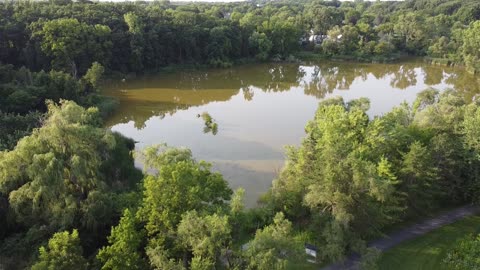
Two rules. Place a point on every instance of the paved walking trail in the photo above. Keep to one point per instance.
(408, 233)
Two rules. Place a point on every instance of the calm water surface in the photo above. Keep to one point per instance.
(261, 108)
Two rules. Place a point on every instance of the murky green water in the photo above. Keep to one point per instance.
(261, 108)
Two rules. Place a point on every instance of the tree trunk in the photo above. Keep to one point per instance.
(74, 69)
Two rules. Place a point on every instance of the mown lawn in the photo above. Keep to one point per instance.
(428, 251)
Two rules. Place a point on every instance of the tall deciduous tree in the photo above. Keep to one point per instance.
(63, 252)
(94, 74)
(260, 45)
(412, 29)
(334, 176)
(68, 42)
(208, 238)
(181, 184)
(183, 212)
(125, 241)
(273, 246)
(471, 47)
(471, 127)
(136, 31)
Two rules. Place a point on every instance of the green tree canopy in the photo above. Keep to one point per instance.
(181, 219)
(471, 47)
(353, 175)
(51, 174)
(181, 184)
(125, 241)
(273, 246)
(69, 41)
(208, 237)
(94, 74)
(63, 252)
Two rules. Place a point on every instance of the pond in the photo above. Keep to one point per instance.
(261, 108)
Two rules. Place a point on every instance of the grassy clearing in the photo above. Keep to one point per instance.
(428, 251)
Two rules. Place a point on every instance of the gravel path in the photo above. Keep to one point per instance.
(408, 233)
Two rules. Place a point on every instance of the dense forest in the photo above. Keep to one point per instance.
(136, 37)
(71, 197)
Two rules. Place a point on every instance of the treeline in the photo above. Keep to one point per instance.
(436, 28)
(144, 36)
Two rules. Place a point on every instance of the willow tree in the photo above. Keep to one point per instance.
(58, 175)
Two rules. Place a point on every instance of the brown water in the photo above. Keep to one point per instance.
(261, 108)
